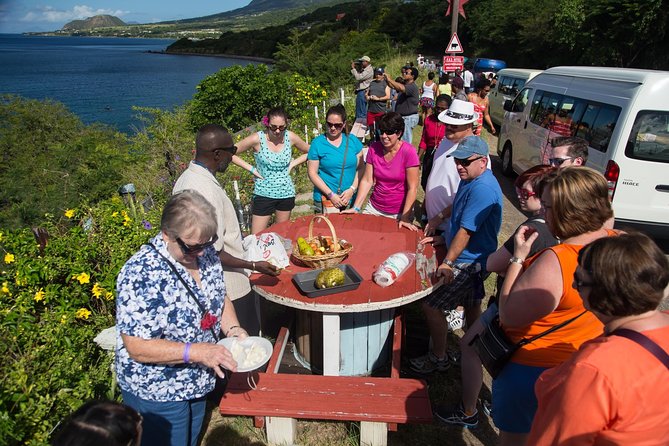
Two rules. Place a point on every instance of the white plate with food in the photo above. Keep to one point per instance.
(250, 353)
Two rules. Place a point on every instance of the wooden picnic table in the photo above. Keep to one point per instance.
(342, 322)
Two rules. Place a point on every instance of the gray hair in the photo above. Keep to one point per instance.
(188, 210)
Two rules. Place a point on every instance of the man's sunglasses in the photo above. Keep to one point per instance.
(466, 162)
(195, 249)
(557, 162)
(336, 125)
(231, 150)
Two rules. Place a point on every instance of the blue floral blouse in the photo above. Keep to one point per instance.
(153, 304)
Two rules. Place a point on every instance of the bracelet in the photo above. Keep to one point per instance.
(516, 260)
(253, 266)
(356, 209)
(186, 355)
(330, 195)
(252, 169)
(230, 329)
(353, 188)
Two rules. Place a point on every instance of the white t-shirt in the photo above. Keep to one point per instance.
(467, 78)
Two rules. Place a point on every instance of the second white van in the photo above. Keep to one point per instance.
(509, 82)
(623, 114)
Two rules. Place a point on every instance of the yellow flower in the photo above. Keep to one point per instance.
(69, 213)
(9, 258)
(114, 214)
(83, 278)
(5, 288)
(0, 236)
(82, 313)
(109, 296)
(63, 319)
(97, 290)
(39, 296)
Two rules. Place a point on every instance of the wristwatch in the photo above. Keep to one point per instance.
(449, 263)
(440, 215)
(516, 260)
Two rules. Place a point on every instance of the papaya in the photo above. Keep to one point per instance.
(304, 247)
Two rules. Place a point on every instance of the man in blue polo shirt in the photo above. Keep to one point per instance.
(476, 218)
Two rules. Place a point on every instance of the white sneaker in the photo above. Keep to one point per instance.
(455, 319)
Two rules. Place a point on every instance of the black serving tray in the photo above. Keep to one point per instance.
(305, 281)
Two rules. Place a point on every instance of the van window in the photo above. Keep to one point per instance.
(510, 85)
(597, 125)
(544, 107)
(649, 139)
(520, 101)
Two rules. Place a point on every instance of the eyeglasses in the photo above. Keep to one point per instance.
(556, 162)
(466, 162)
(274, 128)
(231, 150)
(195, 249)
(525, 194)
(337, 125)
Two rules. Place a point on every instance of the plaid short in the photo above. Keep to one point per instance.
(466, 289)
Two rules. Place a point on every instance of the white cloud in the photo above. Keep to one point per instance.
(53, 15)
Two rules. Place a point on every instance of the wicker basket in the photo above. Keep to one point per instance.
(325, 260)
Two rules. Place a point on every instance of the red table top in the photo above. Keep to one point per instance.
(374, 239)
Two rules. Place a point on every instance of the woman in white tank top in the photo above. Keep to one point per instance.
(427, 93)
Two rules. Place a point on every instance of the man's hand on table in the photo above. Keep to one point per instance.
(267, 268)
(446, 272)
(434, 240)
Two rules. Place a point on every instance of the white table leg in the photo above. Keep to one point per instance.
(331, 344)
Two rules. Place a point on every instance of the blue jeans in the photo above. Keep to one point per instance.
(410, 121)
(173, 423)
(360, 105)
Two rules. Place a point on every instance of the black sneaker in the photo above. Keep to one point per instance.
(451, 415)
(429, 363)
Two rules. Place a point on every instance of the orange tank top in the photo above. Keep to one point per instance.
(556, 347)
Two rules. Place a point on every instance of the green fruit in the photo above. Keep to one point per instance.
(304, 247)
(330, 277)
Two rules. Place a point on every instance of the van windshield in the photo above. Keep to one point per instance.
(649, 139)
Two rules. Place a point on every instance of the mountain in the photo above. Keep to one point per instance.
(98, 21)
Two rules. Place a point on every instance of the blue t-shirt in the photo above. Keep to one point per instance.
(153, 304)
(477, 208)
(331, 159)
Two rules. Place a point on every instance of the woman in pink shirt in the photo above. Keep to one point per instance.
(392, 167)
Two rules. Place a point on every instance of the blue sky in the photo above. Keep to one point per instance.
(17, 16)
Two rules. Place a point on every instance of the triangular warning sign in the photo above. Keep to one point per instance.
(454, 45)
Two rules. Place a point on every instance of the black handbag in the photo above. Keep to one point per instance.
(495, 348)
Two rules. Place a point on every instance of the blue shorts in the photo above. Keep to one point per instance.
(513, 400)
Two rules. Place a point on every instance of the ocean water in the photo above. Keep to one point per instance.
(100, 79)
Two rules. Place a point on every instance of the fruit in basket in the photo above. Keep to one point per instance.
(329, 278)
(304, 247)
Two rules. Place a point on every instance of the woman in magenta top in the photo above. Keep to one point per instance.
(392, 167)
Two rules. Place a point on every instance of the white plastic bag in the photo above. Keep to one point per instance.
(269, 247)
(392, 268)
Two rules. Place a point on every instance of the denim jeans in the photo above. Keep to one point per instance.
(360, 105)
(168, 423)
(410, 121)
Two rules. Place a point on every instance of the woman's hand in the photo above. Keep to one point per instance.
(432, 225)
(408, 225)
(214, 356)
(523, 240)
(256, 173)
(349, 211)
(345, 197)
(435, 240)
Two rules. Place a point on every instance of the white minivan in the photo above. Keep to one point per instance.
(624, 116)
(509, 82)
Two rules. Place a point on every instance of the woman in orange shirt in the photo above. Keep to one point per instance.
(537, 294)
(613, 390)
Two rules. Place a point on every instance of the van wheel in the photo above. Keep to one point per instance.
(507, 162)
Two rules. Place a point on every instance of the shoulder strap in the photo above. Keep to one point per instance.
(341, 176)
(550, 330)
(191, 293)
(644, 342)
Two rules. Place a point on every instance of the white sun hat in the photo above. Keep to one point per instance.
(459, 113)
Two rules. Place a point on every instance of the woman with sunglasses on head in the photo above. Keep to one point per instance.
(335, 164)
(392, 167)
(171, 309)
(274, 191)
(614, 390)
(537, 294)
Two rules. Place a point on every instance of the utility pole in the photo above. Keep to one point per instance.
(455, 8)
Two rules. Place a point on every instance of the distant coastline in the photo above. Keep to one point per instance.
(227, 56)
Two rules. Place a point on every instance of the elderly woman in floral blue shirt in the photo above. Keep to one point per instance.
(171, 308)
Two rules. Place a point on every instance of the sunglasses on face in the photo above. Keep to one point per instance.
(557, 162)
(196, 249)
(231, 150)
(467, 162)
(390, 132)
(525, 194)
(336, 125)
(274, 128)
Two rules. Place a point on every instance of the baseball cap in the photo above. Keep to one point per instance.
(378, 70)
(471, 145)
(365, 59)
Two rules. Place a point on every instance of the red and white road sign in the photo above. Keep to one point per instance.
(451, 63)
(454, 45)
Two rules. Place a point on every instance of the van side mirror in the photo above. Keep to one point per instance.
(507, 105)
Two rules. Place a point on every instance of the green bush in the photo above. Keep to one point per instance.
(54, 299)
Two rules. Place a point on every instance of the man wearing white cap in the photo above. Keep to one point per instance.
(475, 220)
(363, 74)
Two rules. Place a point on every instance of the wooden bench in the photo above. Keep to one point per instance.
(378, 403)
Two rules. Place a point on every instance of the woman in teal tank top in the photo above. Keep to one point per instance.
(274, 191)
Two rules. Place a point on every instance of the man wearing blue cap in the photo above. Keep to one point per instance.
(475, 221)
